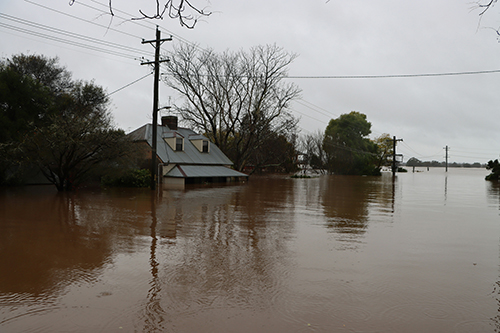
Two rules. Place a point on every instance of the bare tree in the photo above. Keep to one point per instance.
(314, 156)
(238, 99)
(185, 11)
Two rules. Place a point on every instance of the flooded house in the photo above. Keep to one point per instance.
(184, 156)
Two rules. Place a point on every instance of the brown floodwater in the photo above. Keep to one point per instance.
(418, 253)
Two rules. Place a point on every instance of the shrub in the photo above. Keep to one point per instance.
(494, 166)
(132, 178)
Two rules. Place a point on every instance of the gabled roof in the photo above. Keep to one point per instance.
(191, 155)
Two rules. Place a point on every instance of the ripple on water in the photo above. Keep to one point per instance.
(476, 326)
(27, 313)
(416, 313)
(309, 303)
(107, 319)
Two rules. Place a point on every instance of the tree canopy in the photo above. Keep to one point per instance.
(29, 89)
(238, 99)
(62, 126)
(348, 150)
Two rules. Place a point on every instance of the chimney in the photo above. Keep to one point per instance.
(170, 122)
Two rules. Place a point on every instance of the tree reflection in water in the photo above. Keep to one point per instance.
(254, 257)
(47, 244)
(347, 201)
(214, 249)
(493, 190)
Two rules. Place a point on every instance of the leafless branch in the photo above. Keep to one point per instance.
(484, 6)
(187, 13)
(178, 11)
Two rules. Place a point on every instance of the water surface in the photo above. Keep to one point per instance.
(418, 253)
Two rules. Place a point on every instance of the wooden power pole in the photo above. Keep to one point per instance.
(446, 158)
(157, 43)
(394, 165)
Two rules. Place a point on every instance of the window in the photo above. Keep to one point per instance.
(205, 146)
(179, 144)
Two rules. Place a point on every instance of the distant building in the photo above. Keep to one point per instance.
(185, 157)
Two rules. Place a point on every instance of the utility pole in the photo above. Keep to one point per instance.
(394, 167)
(157, 43)
(446, 158)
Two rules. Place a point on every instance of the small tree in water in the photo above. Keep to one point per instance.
(494, 166)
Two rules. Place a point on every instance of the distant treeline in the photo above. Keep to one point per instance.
(416, 162)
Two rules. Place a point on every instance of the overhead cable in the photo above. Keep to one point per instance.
(393, 75)
(80, 19)
(128, 85)
(68, 34)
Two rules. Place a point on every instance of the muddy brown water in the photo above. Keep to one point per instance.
(419, 253)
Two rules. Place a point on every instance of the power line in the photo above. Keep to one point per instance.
(80, 19)
(309, 116)
(68, 34)
(394, 75)
(314, 108)
(65, 41)
(415, 153)
(128, 85)
(289, 77)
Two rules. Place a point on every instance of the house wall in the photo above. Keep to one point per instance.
(173, 183)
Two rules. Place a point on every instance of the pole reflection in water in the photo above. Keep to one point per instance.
(154, 313)
(445, 188)
(327, 254)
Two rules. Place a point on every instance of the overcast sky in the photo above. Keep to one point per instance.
(333, 40)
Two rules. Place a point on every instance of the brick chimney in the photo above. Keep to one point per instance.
(170, 122)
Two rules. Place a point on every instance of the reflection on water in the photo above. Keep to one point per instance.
(415, 253)
(347, 201)
(494, 193)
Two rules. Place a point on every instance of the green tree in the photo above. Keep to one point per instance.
(385, 150)
(78, 138)
(62, 126)
(348, 150)
(413, 161)
(30, 86)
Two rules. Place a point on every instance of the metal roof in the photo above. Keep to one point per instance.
(197, 171)
(190, 155)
